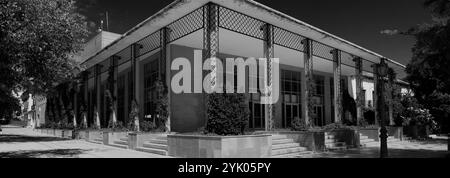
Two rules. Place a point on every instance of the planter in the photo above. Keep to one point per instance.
(92, 135)
(67, 134)
(416, 131)
(110, 137)
(372, 133)
(349, 137)
(396, 132)
(58, 133)
(191, 146)
(138, 139)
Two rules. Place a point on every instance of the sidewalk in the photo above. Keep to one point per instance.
(17, 142)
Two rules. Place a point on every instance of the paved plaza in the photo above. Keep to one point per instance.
(18, 142)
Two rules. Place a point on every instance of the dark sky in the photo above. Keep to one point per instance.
(358, 21)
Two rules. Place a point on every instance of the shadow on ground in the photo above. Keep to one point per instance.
(393, 153)
(22, 138)
(43, 153)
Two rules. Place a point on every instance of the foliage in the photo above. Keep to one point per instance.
(147, 126)
(36, 36)
(162, 105)
(299, 125)
(227, 114)
(428, 70)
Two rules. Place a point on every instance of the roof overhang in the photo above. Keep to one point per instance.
(180, 8)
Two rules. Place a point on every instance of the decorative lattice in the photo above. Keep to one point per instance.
(186, 25)
(322, 50)
(240, 23)
(124, 56)
(288, 39)
(148, 44)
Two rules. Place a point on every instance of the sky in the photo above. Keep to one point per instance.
(358, 21)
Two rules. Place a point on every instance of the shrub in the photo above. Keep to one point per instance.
(147, 126)
(227, 114)
(298, 125)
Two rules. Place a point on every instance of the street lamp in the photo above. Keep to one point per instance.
(382, 70)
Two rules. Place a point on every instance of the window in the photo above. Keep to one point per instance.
(291, 96)
(121, 98)
(150, 95)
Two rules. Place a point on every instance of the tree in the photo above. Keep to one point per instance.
(428, 71)
(37, 40)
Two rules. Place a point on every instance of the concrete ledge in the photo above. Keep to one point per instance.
(247, 146)
(313, 141)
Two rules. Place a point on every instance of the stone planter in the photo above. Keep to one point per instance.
(82, 135)
(247, 146)
(138, 139)
(58, 133)
(109, 137)
(67, 134)
(372, 133)
(396, 132)
(349, 137)
(92, 135)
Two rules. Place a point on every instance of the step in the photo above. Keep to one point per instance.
(337, 148)
(329, 141)
(121, 142)
(282, 141)
(124, 139)
(362, 137)
(287, 151)
(155, 146)
(158, 141)
(293, 155)
(151, 150)
(285, 145)
(278, 137)
(119, 146)
(335, 144)
(366, 141)
(329, 137)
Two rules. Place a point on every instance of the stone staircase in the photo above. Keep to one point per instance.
(121, 143)
(98, 140)
(157, 145)
(283, 147)
(331, 144)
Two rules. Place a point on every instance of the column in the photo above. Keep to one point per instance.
(136, 98)
(308, 83)
(390, 93)
(164, 70)
(359, 93)
(375, 92)
(269, 55)
(113, 87)
(75, 101)
(337, 86)
(210, 40)
(97, 96)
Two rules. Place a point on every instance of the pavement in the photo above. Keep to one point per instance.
(18, 142)
(432, 148)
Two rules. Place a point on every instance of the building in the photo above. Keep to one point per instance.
(336, 70)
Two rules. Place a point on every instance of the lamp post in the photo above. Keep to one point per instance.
(382, 69)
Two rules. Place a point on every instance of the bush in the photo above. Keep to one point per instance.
(147, 126)
(298, 125)
(227, 114)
